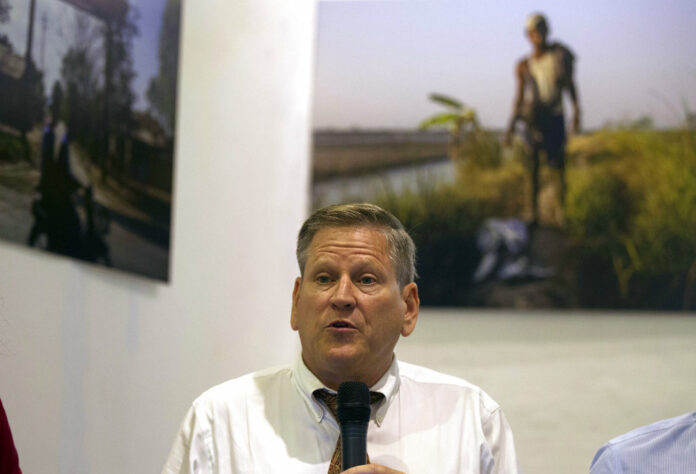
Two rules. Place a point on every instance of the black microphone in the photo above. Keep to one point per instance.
(353, 416)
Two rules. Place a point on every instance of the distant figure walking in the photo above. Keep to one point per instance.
(542, 78)
(48, 138)
(54, 212)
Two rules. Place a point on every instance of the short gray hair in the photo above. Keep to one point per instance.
(402, 250)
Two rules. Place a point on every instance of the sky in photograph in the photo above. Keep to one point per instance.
(60, 33)
(377, 61)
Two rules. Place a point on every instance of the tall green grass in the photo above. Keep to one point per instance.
(632, 209)
(443, 222)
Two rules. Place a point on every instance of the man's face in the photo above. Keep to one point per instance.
(348, 307)
(537, 36)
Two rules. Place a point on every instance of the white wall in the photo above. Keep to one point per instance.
(97, 368)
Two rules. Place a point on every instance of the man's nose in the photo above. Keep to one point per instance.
(343, 297)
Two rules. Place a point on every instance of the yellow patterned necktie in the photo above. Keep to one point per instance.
(331, 401)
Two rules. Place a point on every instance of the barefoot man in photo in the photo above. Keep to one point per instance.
(542, 79)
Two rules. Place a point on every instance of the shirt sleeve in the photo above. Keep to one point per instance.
(604, 461)
(502, 447)
(192, 452)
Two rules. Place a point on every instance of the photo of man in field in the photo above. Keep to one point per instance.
(527, 211)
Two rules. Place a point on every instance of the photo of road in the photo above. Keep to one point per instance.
(137, 242)
(87, 120)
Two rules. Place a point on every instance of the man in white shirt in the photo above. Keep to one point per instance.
(355, 297)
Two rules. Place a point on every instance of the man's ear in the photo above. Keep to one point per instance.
(410, 297)
(295, 297)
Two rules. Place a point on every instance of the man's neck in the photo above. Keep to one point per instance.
(541, 49)
(333, 379)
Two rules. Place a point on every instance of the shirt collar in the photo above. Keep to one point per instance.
(388, 386)
(306, 383)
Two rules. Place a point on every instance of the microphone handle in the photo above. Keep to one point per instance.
(353, 444)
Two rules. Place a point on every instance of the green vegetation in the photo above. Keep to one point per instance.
(11, 148)
(443, 223)
(626, 238)
(630, 217)
(97, 111)
(458, 119)
(443, 220)
(632, 209)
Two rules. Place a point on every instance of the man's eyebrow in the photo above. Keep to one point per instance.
(372, 265)
(366, 262)
(319, 267)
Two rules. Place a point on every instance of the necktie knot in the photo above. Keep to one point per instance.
(331, 400)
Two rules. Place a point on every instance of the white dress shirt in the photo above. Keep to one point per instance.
(269, 421)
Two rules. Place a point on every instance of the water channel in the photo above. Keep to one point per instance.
(367, 187)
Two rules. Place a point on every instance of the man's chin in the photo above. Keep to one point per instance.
(337, 359)
(343, 356)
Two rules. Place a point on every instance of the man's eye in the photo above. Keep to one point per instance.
(323, 279)
(367, 280)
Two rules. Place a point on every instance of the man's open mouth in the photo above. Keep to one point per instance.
(341, 325)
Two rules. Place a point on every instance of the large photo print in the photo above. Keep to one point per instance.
(87, 122)
(542, 154)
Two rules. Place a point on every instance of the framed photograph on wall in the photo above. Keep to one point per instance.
(87, 129)
(542, 154)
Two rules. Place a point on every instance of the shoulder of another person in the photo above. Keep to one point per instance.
(603, 460)
(653, 430)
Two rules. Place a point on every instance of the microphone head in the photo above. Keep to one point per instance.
(353, 402)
